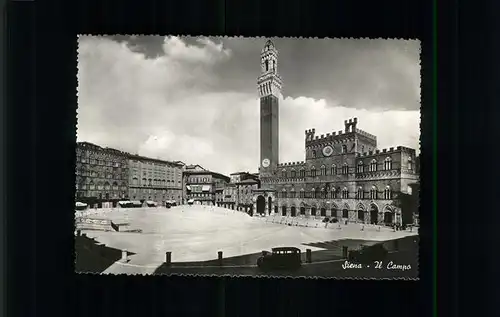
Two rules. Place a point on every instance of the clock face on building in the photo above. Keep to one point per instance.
(266, 162)
(327, 150)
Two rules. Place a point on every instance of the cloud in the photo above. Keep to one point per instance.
(209, 52)
(166, 107)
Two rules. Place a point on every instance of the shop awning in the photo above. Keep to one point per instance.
(79, 204)
(124, 202)
(205, 188)
(190, 201)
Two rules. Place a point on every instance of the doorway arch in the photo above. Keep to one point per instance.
(293, 211)
(283, 210)
(302, 210)
(361, 213)
(313, 211)
(334, 211)
(388, 216)
(261, 205)
(322, 212)
(270, 205)
(373, 214)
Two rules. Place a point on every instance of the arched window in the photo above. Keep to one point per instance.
(302, 193)
(292, 193)
(334, 169)
(314, 193)
(323, 170)
(373, 166)
(373, 192)
(410, 164)
(344, 148)
(313, 153)
(388, 164)
(283, 173)
(345, 193)
(345, 169)
(387, 192)
(302, 173)
(135, 181)
(360, 193)
(293, 174)
(333, 193)
(360, 167)
(283, 194)
(144, 181)
(313, 171)
(322, 193)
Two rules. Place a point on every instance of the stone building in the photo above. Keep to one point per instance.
(203, 186)
(343, 175)
(237, 194)
(154, 180)
(101, 175)
(246, 189)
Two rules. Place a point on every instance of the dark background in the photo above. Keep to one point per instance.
(38, 172)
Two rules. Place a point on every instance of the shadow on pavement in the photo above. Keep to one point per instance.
(402, 251)
(92, 257)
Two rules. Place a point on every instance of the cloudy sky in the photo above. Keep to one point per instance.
(195, 99)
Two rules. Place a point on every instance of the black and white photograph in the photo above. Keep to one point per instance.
(272, 157)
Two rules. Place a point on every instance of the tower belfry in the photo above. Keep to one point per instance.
(269, 87)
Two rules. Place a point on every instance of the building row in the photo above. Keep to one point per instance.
(106, 176)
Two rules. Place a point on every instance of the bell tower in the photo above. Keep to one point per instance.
(269, 86)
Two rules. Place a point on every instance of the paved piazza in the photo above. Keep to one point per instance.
(196, 233)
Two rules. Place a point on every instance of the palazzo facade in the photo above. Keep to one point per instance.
(344, 174)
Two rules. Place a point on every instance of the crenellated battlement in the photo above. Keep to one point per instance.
(386, 151)
(292, 164)
(333, 137)
(366, 134)
(340, 136)
(350, 121)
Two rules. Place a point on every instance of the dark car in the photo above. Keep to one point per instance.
(325, 220)
(280, 258)
(334, 220)
(368, 254)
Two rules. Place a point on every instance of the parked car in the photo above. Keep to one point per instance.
(368, 254)
(280, 258)
(325, 220)
(334, 220)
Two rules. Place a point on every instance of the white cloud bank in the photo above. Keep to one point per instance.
(164, 108)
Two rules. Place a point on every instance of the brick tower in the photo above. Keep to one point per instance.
(269, 86)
